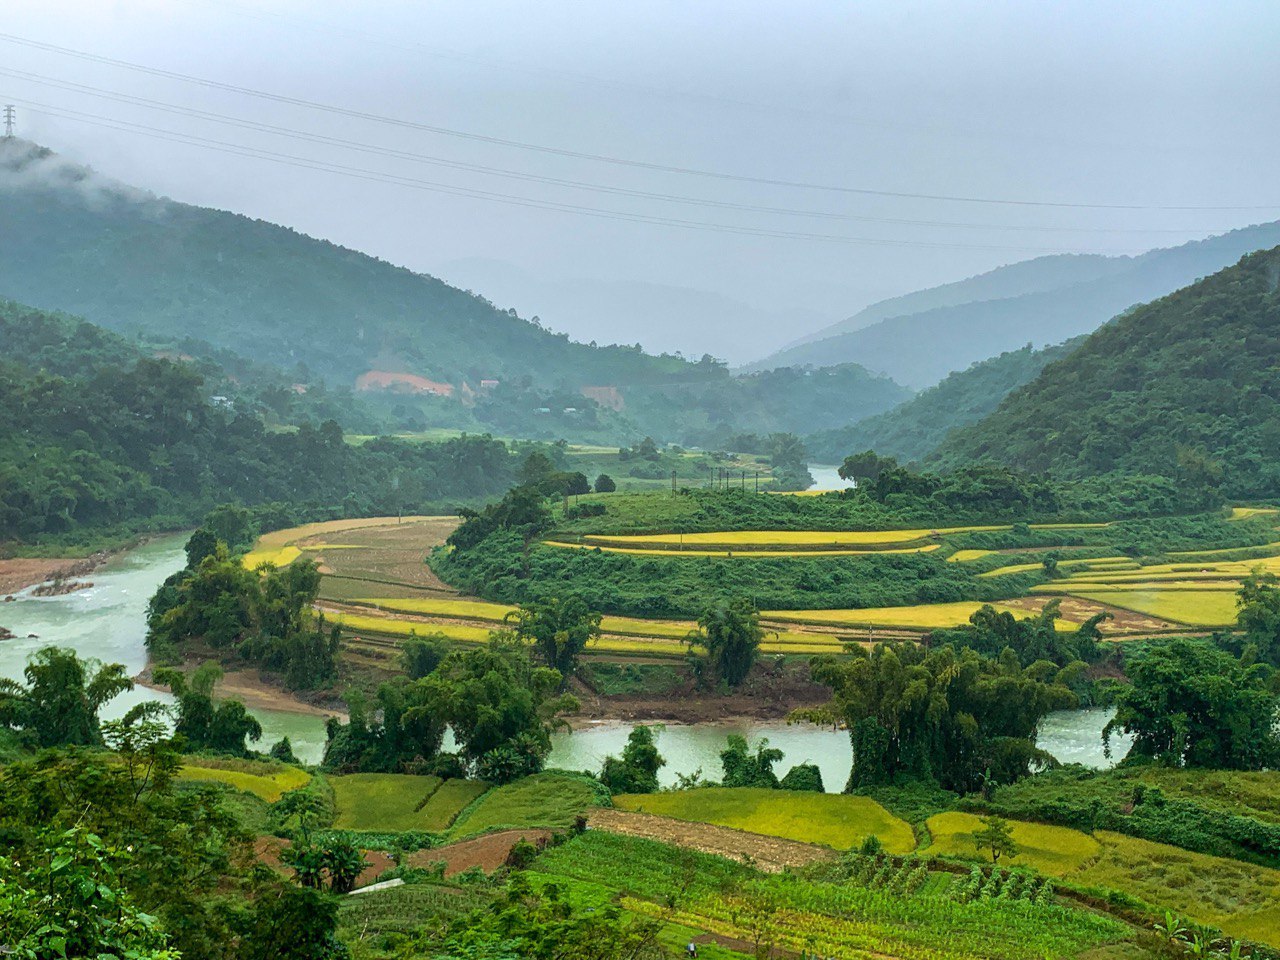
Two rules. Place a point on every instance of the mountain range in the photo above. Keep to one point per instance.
(1042, 301)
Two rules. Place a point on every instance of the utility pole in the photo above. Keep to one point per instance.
(8, 121)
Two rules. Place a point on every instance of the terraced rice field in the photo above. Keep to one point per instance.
(929, 616)
(839, 821)
(738, 552)
(1241, 899)
(387, 802)
(262, 780)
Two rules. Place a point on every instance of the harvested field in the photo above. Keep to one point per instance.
(488, 852)
(769, 854)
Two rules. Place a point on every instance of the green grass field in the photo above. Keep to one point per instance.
(549, 799)
(266, 781)
(1053, 850)
(1199, 608)
(388, 802)
(835, 820)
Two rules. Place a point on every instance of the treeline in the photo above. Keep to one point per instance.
(134, 443)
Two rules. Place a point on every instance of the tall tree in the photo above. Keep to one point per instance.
(730, 632)
(59, 704)
(559, 630)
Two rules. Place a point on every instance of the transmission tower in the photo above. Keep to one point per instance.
(8, 121)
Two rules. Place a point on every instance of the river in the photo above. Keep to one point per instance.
(107, 622)
(826, 477)
(1073, 736)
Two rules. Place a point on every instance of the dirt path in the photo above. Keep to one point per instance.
(770, 854)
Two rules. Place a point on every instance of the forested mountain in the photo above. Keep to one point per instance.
(97, 436)
(921, 347)
(333, 319)
(916, 427)
(129, 261)
(1187, 386)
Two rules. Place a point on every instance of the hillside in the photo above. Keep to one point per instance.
(130, 261)
(1012, 280)
(921, 347)
(1185, 387)
(99, 438)
(916, 427)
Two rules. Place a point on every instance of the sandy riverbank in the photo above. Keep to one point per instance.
(249, 688)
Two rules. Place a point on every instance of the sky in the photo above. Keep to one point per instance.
(715, 177)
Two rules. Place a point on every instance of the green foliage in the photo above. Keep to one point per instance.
(553, 799)
(59, 704)
(605, 484)
(126, 446)
(1260, 617)
(202, 725)
(917, 426)
(1193, 705)
(745, 768)
(730, 633)
(263, 616)
(996, 838)
(558, 630)
(945, 715)
(637, 769)
(1222, 812)
(68, 901)
(803, 776)
(500, 707)
(1179, 387)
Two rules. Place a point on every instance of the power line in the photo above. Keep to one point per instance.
(8, 121)
(332, 109)
(453, 190)
(361, 147)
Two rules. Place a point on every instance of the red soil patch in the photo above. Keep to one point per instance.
(608, 397)
(488, 852)
(406, 382)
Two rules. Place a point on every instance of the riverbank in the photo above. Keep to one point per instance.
(19, 573)
(248, 686)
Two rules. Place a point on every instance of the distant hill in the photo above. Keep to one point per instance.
(335, 320)
(1046, 301)
(77, 242)
(1187, 386)
(660, 317)
(916, 427)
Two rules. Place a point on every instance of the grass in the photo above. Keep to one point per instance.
(1241, 899)
(269, 785)
(548, 799)
(834, 820)
(927, 616)
(391, 802)
(737, 553)
(965, 556)
(1200, 608)
(733, 539)
(1053, 850)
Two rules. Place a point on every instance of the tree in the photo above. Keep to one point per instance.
(605, 484)
(502, 708)
(67, 901)
(421, 655)
(742, 768)
(731, 634)
(559, 630)
(201, 724)
(867, 465)
(637, 770)
(576, 483)
(1259, 602)
(996, 837)
(1193, 705)
(946, 715)
(59, 704)
(803, 776)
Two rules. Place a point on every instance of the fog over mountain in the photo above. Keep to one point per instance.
(799, 160)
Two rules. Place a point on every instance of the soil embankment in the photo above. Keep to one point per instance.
(18, 573)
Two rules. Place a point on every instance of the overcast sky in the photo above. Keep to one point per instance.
(1055, 105)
